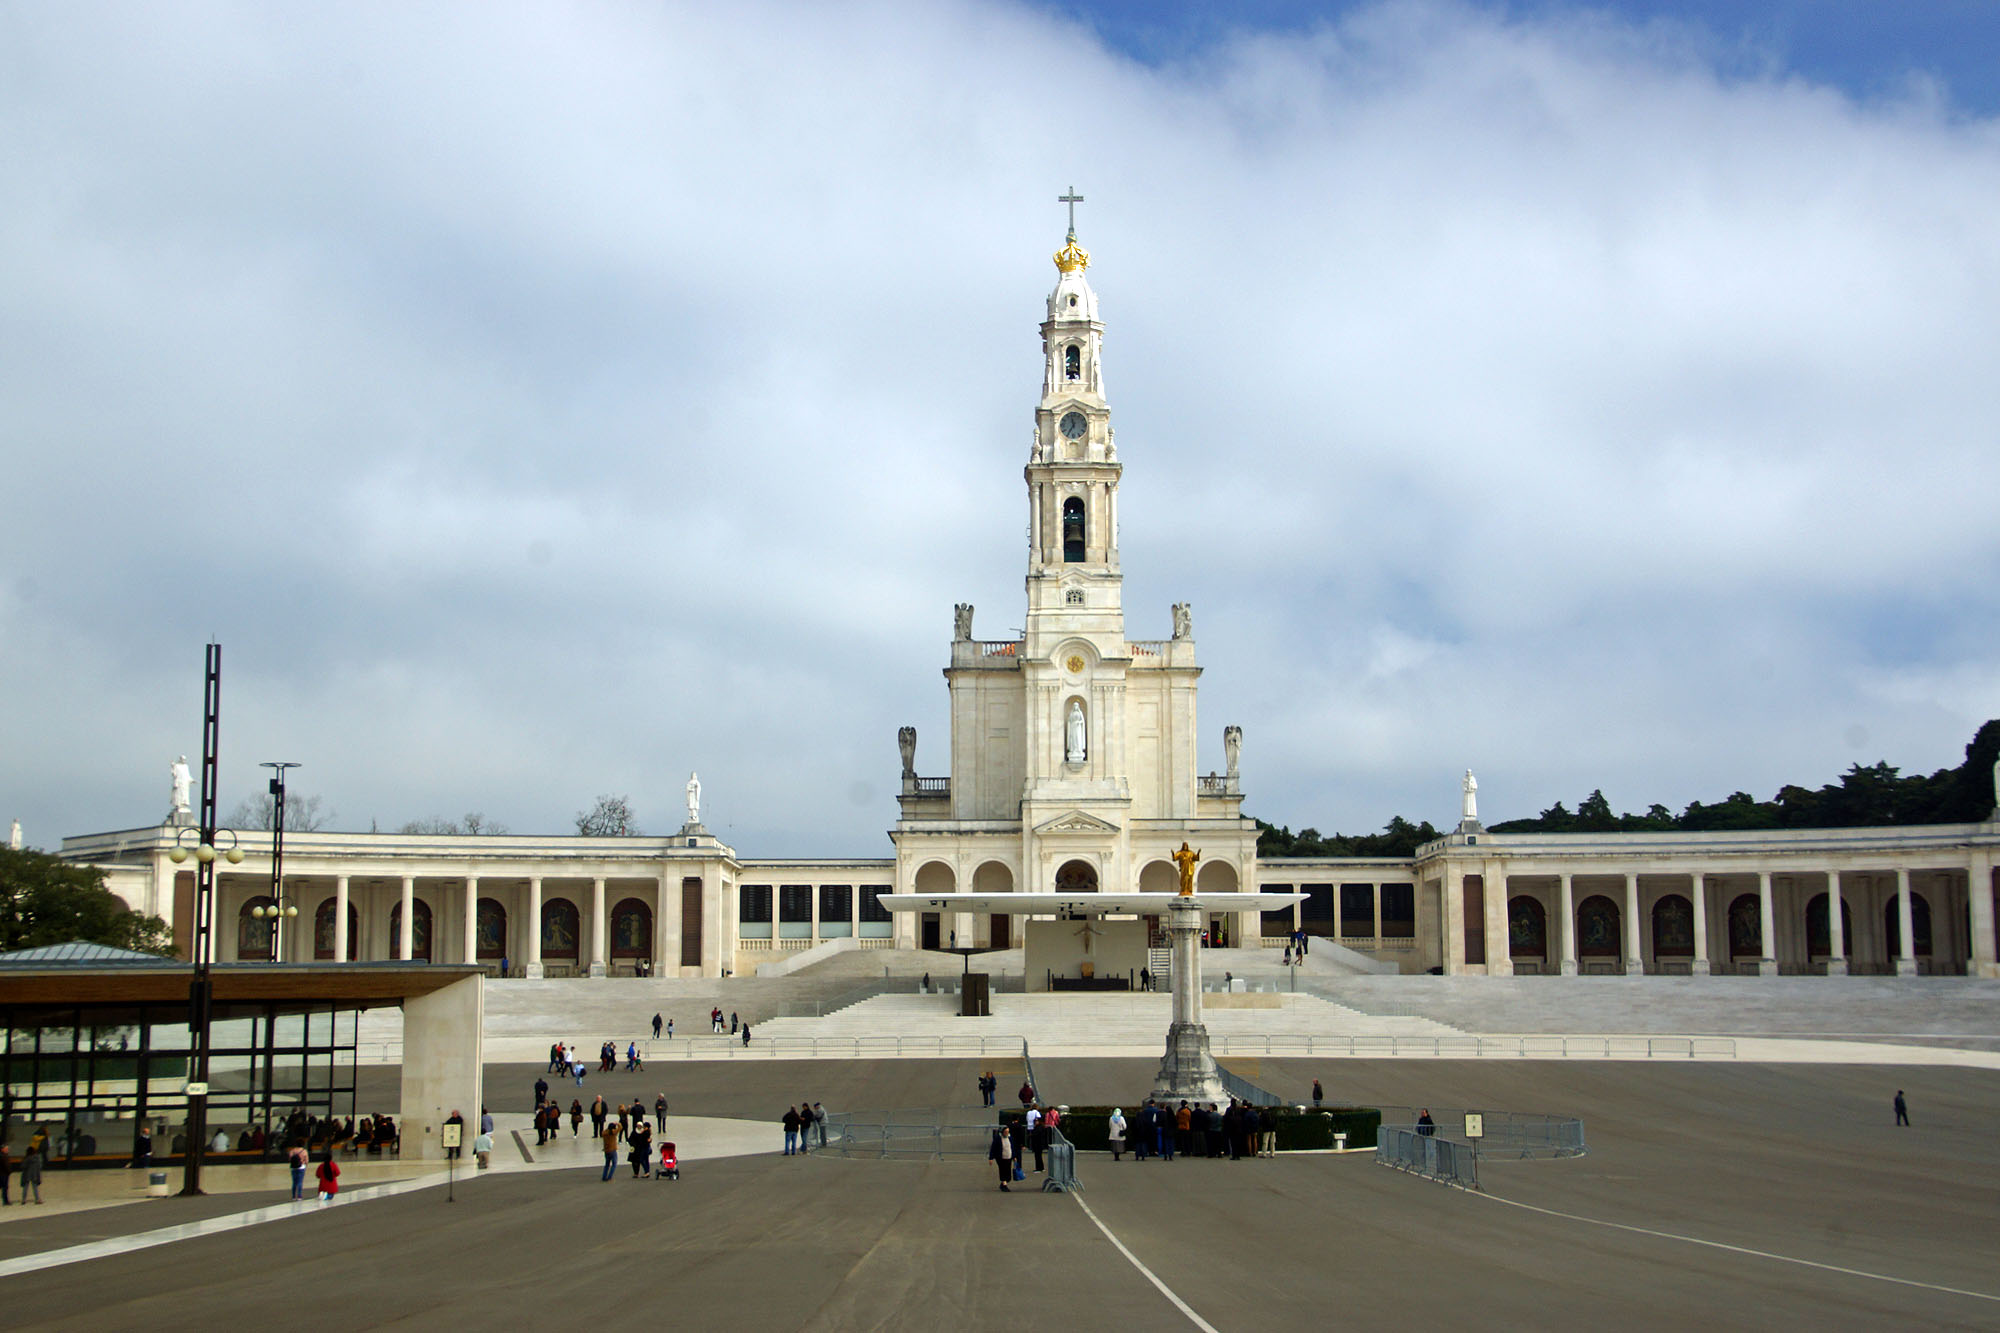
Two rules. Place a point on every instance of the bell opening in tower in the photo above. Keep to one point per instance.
(1072, 362)
(1072, 531)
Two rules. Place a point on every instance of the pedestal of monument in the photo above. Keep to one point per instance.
(1187, 1072)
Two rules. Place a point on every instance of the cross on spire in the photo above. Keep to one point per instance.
(1072, 199)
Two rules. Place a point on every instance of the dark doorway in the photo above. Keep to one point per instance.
(930, 931)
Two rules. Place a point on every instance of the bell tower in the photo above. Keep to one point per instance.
(1074, 584)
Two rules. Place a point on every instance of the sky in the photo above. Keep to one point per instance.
(540, 402)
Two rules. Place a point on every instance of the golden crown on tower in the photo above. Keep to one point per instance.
(1072, 257)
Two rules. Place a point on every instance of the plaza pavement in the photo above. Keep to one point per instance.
(1793, 1166)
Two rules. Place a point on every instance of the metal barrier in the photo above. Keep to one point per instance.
(1402, 1147)
(1516, 1134)
(1244, 1090)
(1061, 1175)
(1465, 1047)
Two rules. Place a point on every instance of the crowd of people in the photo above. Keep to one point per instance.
(1194, 1130)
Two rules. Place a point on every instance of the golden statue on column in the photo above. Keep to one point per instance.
(1185, 859)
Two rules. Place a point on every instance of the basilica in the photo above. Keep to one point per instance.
(1071, 768)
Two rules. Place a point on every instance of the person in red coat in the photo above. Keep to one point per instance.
(329, 1177)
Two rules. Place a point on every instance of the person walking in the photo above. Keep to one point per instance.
(1001, 1154)
(746, 1034)
(641, 1140)
(577, 1069)
(541, 1091)
(1038, 1136)
(575, 1117)
(598, 1112)
(732, 1021)
(31, 1167)
(791, 1123)
(1318, 1095)
(660, 1112)
(1425, 1125)
(670, 1029)
(657, 1024)
(328, 1174)
(1115, 1132)
(482, 1148)
(1902, 1109)
(608, 1137)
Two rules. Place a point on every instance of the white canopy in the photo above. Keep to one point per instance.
(1083, 904)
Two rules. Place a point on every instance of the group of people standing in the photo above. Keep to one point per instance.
(1194, 1130)
(803, 1123)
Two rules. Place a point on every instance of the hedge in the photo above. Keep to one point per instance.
(1088, 1127)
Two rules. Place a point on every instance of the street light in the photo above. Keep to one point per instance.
(279, 910)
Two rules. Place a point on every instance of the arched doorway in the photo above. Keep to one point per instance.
(631, 930)
(1527, 930)
(561, 929)
(420, 931)
(932, 877)
(253, 934)
(1597, 930)
(1819, 942)
(1077, 876)
(1673, 927)
(995, 877)
(323, 931)
(1218, 877)
(491, 929)
(1746, 927)
(1920, 926)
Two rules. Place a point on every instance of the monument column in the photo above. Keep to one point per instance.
(1635, 958)
(1836, 938)
(532, 953)
(1568, 928)
(1767, 926)
(661, 958)
(597, 933)
(471, 921)
(340, 919)
(407, 923)
(1906, 961)
(1700, 965)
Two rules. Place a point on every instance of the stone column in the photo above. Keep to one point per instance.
(1767, 926)
(597, 931)
(1451, 904)
(1979, 889)
(1499, 944)
(1635, 958)
(471, 921)
(1906, 961)
(532, 954)
(662, 963)
(1700, 965)
(406, 926)
(340, 919)
(1188, 1070)
(1836, 938)
(1568, 927)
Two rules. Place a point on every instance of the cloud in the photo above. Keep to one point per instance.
(554, 404)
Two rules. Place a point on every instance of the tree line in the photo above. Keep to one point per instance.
(1865, 796)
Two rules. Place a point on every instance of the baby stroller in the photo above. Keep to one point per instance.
(670, 1164)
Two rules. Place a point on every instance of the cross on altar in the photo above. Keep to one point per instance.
(1088, 933)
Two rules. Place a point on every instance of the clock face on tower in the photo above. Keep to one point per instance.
(1073, 425)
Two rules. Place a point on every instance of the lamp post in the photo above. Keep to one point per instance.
(279, 911)
(203, 942)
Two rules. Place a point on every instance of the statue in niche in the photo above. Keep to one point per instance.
(1075, 747)
(694, 800)
(906, 741)
(961, 622)
(1183, 621)
(1232, 747)
(1469, 809)
(183, 780)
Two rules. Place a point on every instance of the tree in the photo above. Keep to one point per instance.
(474, 823)
(611, 817)
(46, 900)
(302, 814)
